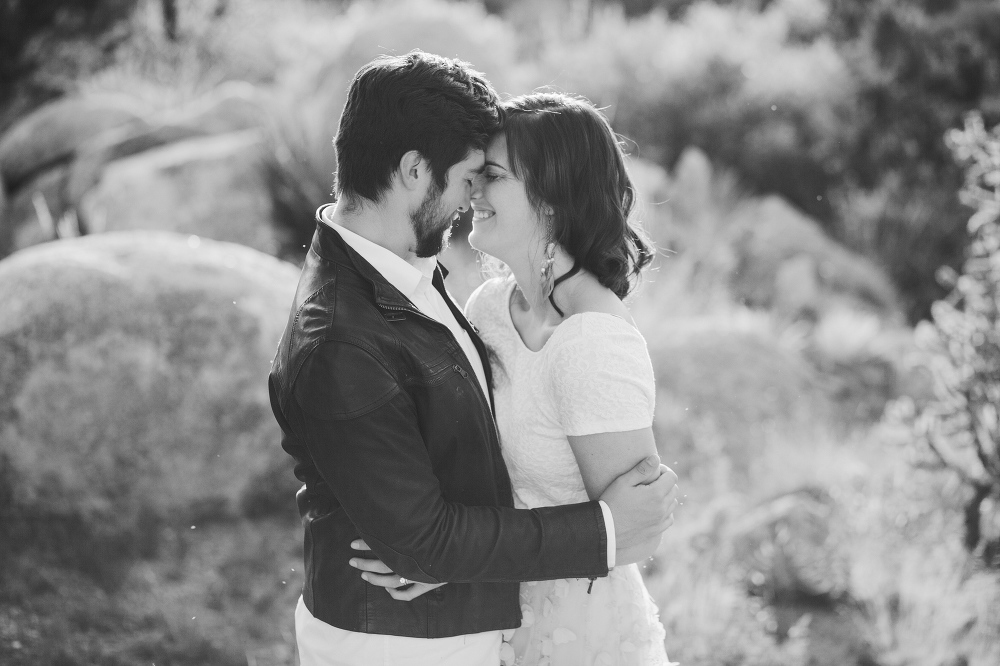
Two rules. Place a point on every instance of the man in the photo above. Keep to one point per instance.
(382, 390)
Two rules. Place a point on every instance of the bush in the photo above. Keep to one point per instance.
(730, 81)
(839, 106)
(302, 161)
(35, 64)
(958, 429)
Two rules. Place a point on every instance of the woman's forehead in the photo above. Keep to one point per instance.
(496, 151)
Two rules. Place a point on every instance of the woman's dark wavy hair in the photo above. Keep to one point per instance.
(570, 159)
(440, 107)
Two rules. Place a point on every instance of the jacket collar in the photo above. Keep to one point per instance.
(328, 244)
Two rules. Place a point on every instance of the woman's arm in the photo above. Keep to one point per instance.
(603, 457)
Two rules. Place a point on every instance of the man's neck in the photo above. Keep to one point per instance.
(380, 224)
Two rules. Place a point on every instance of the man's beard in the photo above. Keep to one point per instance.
(431, 228)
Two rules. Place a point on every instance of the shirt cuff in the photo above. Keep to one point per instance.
(609, 525)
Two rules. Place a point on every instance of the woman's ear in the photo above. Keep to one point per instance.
(413, 170)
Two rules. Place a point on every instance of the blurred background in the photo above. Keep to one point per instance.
(821, 178)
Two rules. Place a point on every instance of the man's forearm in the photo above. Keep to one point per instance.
(380, 473)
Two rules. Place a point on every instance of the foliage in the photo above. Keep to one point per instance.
(23, 20)
(731, 82)
(959, 427)
(301, 161)
(837, 105)
(918, 66)
(32, 33)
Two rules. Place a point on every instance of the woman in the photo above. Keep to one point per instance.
(574, 385)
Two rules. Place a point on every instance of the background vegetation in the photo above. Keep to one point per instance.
(822, 318)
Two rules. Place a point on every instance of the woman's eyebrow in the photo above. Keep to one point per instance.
(494, 164)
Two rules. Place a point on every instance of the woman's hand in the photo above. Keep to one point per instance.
(377, 573)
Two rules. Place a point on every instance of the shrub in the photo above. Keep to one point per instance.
(958, 429)
(730, 81)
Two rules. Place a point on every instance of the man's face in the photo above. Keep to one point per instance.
(433, 219)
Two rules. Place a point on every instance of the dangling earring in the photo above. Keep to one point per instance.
(550, 259)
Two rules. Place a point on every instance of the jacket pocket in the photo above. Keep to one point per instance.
(433, 373)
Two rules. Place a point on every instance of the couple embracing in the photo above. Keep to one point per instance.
(478, 486)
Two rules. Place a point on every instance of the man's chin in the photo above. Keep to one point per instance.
(432, 246)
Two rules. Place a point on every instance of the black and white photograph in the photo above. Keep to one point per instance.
(499, 333)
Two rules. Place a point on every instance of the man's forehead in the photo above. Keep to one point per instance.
(474, 161)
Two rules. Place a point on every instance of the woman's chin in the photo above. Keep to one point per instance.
(478, 241)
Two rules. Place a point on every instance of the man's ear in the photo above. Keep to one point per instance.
(413, 170)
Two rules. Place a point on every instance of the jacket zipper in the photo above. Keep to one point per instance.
(495, 440)
(502, 484)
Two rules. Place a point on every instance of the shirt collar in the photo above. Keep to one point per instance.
(406, 276)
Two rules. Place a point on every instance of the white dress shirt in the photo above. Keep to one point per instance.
(321, 644)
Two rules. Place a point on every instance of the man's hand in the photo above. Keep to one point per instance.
(642, 503)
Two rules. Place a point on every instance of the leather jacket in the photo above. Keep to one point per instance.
(396, 443)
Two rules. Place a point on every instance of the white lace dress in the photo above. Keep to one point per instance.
(592, 376)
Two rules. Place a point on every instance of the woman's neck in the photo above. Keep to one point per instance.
(534, 290)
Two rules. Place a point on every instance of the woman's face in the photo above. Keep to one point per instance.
(504, 224)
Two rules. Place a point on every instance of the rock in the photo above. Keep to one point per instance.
(790, 549)
(53, 133)
(133, 390)
(725, 394)
(797, 289)
(213, 187)
(769, 232)
(231, 107)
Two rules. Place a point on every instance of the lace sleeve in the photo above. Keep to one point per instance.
(602, 378)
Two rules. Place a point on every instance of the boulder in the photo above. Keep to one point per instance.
(133, 391)
(724, 391)
(230, 107)
(213, 187)
(768, 233)
(54, 132)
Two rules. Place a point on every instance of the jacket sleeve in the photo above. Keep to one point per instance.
(362, 433)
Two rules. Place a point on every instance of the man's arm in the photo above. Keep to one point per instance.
(362, 433)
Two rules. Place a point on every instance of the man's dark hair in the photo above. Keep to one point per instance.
(440, 107)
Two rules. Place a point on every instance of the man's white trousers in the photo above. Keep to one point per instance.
(323, 645)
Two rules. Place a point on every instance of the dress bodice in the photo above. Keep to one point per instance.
(593, 375)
